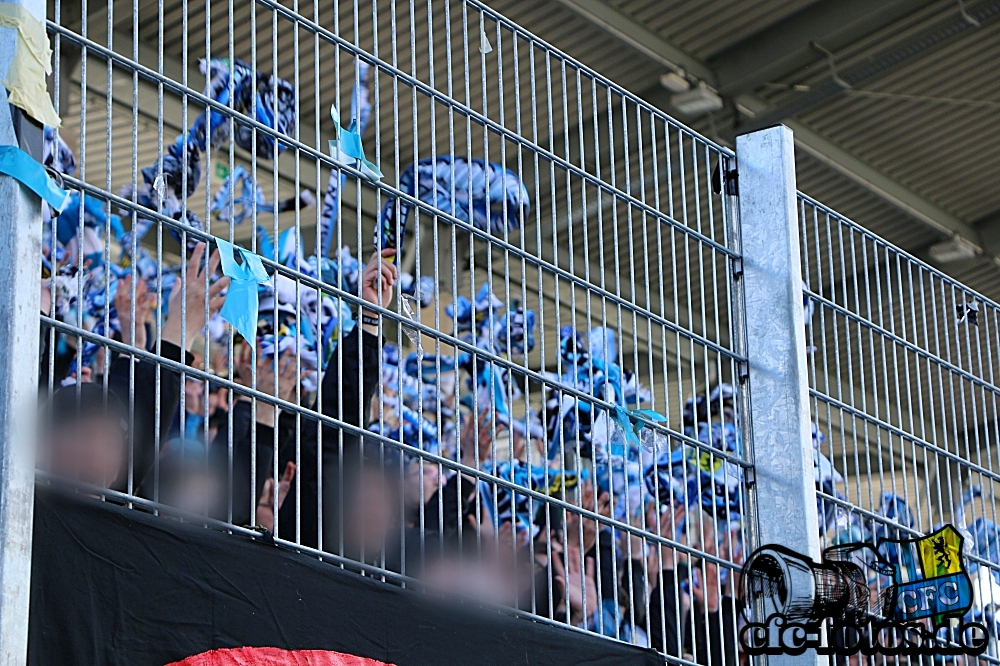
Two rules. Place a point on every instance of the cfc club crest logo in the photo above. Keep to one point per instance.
(898, 597)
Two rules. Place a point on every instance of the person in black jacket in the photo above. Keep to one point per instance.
(253, 432)
(134, 380)
(327, 459)
(691, 613)
(83, 435)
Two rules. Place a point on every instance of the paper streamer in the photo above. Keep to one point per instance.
(22, 167)
(240, 308)
(25, 81)
(347, 150)
(632, 422)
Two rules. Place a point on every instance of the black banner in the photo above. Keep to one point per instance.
(111, 586)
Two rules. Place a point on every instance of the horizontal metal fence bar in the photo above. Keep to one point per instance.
(500, 243)
(128, 500)
(922, 265)
(899, 432)
(871, 515)
(592, 74)
(327, 288)
(902, 342)
(314, 27)
(445, 338)
(259, 395)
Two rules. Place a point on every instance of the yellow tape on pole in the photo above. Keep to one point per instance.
(25, 82)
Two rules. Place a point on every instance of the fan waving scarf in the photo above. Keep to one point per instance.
(270, 102)
(486, 195)
(514, 506)
(240, 195)
(265, 656)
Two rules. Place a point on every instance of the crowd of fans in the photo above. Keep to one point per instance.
(578, 521)
(142, 425)
(418, 469)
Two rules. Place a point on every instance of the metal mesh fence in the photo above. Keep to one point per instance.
(902, 374)
(497, 357)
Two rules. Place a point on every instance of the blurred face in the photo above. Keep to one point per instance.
(374, 512)
(415, 479)
(90, 449)
(194, 393)
(218, 400)
(468, 577)
(196, 491)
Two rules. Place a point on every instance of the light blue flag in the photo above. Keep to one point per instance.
(632, 421)
(21, 166)
(240, 308)
(347, 150)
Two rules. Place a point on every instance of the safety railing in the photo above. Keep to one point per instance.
(902, 384)
(479, 333)
(498, 329)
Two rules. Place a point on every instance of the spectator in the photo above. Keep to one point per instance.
(250, 429)
(323, 454)
(187, 481)
(84, 435)
(420, 483)
(371, 528)
(692, 615)
(268, 497)
(152, 414)
(146, 414)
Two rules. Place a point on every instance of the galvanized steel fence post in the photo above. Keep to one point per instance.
(20, 249)
(776, 347)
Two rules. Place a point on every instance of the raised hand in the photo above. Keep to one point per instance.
(578, 586)
(287, 378)
(265, 509)
(143, 311)
(377, 280)
(476, 436)
(193, 296)
(705, 587)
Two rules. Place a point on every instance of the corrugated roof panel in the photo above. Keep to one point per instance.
(705, 27)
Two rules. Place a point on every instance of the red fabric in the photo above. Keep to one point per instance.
(248, 656)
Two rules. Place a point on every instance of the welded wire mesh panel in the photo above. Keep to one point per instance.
(903, 381)
(473, 331)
